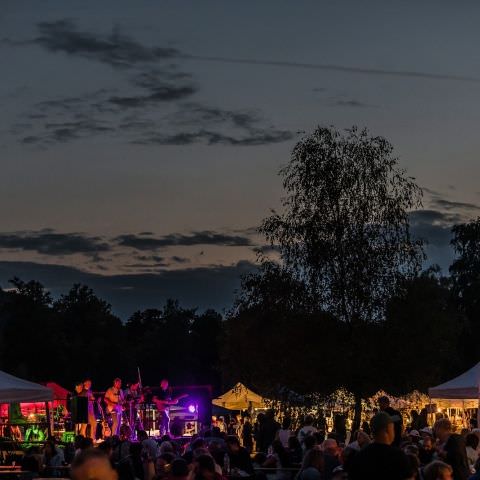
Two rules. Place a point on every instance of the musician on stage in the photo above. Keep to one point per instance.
(134, 396)
(163, 402)
(114, 399)
(92, 419)
(78, 415)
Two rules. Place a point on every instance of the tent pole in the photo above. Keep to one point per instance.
(49, 419)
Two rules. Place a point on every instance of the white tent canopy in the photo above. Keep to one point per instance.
(465, 387)
(14, 389)
(239, 398)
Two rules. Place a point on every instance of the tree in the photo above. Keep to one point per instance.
(344, 234)
(29, 330)
(160, 342)
(465, 280)
(95, 340)
(421, 333)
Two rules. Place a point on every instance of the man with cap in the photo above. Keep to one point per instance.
(380, 460)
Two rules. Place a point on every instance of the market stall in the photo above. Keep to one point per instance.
(15, 391)
(461, 393)
(240, 398)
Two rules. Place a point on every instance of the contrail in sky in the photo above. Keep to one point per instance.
(335, 68)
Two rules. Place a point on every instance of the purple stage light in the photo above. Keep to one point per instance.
(192, 408)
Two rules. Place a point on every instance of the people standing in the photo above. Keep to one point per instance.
(92, 419)
(307, 430)
(163, 401)
(114, 399)
(452, 449)
(380, 460)
(384, 404)
(79, 409)
(285, 432)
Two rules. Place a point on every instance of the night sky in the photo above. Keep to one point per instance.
(140, 141)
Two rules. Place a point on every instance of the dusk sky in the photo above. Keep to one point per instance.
(140, 141)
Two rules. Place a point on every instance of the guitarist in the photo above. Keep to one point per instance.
(114, 399)
(163, 402)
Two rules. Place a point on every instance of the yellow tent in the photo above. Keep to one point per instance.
(239, 398)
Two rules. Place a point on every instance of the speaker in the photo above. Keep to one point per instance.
(79, 409)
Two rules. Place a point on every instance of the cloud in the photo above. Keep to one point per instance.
(161, 93)
(115, 49)
(351, 103)
(434, 227)
(267, 249)
(206, 287)
(255, 138)
(51, 243)
(450, 205)
(205, 237)
(152, 82)
(178, 259)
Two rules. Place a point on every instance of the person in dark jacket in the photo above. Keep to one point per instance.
(452, 449)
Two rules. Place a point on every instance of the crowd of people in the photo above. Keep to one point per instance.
(267, 450)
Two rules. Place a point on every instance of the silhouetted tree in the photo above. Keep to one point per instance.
(421, 334)
(465, 280)
(344, 234)
(95, 338)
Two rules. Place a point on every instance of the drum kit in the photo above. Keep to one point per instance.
(137, 415)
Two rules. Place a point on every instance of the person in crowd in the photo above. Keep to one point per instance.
(52, 459)
(307, 430)
(471, 442)
(426, 451)
(384, 405)
(380, 460)
(438, 471)
(476, 475)
(136, 460)
(309, 442)
(92, 419)
(360, 440)
(269, 430)
(32, 460)
(204, 469)
(295, 450)
(279, 459)
(149, 453)
(422, 420)
(107, 447)
(194, 445)
(258, 460)
(414, 437)
(162, 464)
(238, 455)
(426, 432)
(247, 434)
(121, 448)
(284, 433)
(221, 424)
(452, 449)
(312, 466)
(93, 464)
(258, 431)
(414, 463)
(331, 453)
(179, 469)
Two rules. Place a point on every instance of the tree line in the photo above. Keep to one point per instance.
(342, 302)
